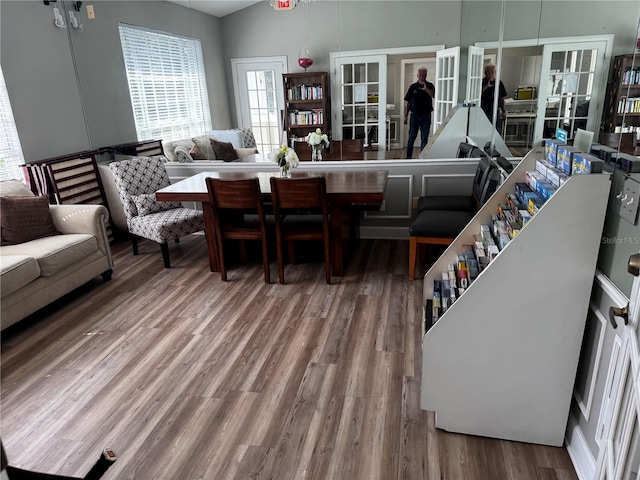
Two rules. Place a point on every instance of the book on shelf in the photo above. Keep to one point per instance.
(305, 92)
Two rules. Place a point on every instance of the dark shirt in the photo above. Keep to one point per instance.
(486, 101)
(420, 102)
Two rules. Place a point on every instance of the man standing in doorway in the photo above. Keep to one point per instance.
(488, 94)
(419, 101)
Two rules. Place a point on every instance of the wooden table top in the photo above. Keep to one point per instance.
(356, 186)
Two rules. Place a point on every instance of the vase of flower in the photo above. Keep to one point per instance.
(285, 171)
(286, 158)
(316, 153)
(317, 141)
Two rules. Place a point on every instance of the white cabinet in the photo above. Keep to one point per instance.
(501, 361)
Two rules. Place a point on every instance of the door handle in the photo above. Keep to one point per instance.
(633, 267)
(618, 312)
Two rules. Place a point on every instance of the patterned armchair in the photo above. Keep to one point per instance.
(137, 180)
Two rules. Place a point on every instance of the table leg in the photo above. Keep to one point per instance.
(210, 234)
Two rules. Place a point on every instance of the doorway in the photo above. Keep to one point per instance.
(257, 84)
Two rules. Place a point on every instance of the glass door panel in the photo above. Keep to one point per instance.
(362, 101)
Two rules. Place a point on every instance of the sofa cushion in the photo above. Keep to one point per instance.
(146, 203)
(224, 150)
(183, 155)
(55, 253)
(16, 271)
(196, 153)
(204, 144)
(23, 219)
(14, 188)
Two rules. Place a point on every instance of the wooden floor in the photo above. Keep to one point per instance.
(188, 377)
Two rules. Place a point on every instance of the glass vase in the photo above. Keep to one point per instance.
(285, 171)
(316, 154)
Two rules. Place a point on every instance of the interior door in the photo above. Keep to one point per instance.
(619, 455)
(571, 88)
(447, 68)
(359, 101)
(259, 98)
(474, 75)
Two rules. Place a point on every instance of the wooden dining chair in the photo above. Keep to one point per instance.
(238, 214)
(301, 213)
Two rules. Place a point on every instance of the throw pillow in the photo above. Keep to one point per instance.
(23, 219)
(183, 155)
(245, 152)
(196, 153)
(146, 204)
(224, 150)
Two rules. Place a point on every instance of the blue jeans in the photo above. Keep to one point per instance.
(423, 123)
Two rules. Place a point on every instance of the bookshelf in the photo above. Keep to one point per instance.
(306, 97)
(622, 109)
(501, 361)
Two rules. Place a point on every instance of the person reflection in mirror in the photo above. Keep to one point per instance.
(419, 101)
(488, 94)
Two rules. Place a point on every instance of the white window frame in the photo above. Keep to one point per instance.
(167, 83)
(11, 157)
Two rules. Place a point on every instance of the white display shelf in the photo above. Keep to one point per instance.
(501, 361)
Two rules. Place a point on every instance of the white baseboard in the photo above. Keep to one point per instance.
(581, 457)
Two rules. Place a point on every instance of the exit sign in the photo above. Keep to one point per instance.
(284, 4)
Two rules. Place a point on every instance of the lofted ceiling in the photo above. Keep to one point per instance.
(217, 8)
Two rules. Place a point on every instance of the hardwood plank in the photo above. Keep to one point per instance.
(188, 377)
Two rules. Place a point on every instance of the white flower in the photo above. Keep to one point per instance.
(318, 138)
(284, 156)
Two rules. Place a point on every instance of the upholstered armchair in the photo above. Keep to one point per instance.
(137, 180)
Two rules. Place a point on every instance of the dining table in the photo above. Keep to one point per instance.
(348, 192)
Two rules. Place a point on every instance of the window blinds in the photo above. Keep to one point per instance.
(166, 82)
(10, 150)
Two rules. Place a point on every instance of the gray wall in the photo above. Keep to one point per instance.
(50, 104)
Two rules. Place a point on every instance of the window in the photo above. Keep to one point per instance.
(166, 83)
(10, 150)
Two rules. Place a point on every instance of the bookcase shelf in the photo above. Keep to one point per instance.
(619, 116)
(306, 97)
(501, 361)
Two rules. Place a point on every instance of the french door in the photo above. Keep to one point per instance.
(259, 98)
(474, 75)
(359, 99)
(618, 433)
(447, 71)
(571, 87)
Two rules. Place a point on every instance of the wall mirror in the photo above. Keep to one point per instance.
(90, 61)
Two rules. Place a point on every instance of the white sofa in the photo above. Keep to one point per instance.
(37, 272)
(243, 148)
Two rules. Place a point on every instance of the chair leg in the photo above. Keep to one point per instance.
(134, 244)
(221, 264)
(164, 247)
(265, 261)
(413, 245)
(280, 260)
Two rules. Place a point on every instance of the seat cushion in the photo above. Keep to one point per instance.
(16, 271)
(167, 225)
(439, 223)
(460, 203)
(55, 253)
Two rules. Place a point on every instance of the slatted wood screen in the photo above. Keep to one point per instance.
(69, 180)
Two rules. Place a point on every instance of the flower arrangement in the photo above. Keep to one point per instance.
(318, 139)
(286, 158)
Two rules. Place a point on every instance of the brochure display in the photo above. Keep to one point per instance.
(501, 360)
